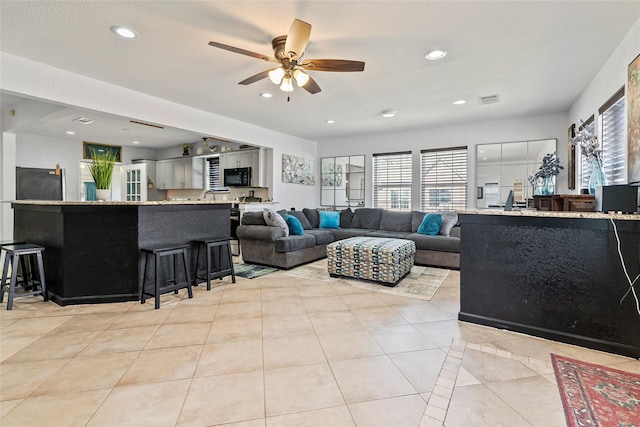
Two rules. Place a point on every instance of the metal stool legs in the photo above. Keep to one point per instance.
(174, 284)
(15, 256)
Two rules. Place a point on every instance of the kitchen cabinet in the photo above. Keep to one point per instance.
(256, 159)
(164, 174)
(187, 173)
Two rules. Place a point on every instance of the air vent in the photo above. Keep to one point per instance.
(488, 100)
(146, 124)
(83, 120)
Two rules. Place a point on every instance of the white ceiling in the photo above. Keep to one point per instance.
(538, 56)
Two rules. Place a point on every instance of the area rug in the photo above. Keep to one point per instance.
(251, 271)
(595, 395)
(421, 283)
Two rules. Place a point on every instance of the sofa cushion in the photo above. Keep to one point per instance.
(274, 219)
(313, 216)
(430, 224)
(329, 219)
(449, 219)
(264, 233)
(345, 233)
(388, 234)
(367, 218)
(322, 236)
(295, 228)
(302, 218)
(396, 221)
(435, 243)
(253, 218)
(455, 232)
(416, 220)
(294, 243)
(346, 215)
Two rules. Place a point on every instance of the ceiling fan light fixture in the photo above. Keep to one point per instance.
(435, 54)
(287, 84)
(301, 77)
(276, 75)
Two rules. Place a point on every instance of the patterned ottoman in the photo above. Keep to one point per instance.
(372, 258)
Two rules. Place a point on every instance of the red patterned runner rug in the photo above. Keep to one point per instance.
(597, 396)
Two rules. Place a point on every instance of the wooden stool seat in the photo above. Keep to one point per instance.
(161, 286)
(15, 257)
(219, 269)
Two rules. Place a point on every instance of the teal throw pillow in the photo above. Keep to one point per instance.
(430, 224)
(295, 227)
(329, 219)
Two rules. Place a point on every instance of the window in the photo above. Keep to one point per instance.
(443, 179)
(213, 173)
(613, 137)
(392, 180)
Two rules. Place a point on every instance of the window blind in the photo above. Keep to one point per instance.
(213, 173)
(392, 180)
(613, 137)
(443, 179)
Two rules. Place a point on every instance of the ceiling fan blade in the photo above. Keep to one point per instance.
(341, 65)
(243, 52)
(297, 39)
(261, 75)
(311, 86)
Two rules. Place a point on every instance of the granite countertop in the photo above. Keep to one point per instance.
(550, 214)
(149, 203)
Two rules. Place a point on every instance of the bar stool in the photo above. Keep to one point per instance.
(217, 271)
(157, 253)
(16, 255)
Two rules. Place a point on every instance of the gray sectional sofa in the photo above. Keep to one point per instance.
(264, 244)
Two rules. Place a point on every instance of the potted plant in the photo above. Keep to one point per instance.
(102, 172)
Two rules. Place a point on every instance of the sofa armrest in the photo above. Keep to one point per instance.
(265, 233)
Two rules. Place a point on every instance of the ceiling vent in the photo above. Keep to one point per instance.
(488, 100)
(146, 124)
(83, 120)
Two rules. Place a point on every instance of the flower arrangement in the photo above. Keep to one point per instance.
(550, 167)
(101, 169)
(588, 143)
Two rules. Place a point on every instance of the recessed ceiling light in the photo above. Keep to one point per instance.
(266, 95)
(330, 122)
(136, 142)
(388, 114)
(70, 132)
(124, 32)
(459, 102)
(435, 54)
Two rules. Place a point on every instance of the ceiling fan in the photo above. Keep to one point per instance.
(288, 51)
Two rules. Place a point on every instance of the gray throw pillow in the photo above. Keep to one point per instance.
(274, 219)
(345, 218)
(449, 220)
(313, 216)
(300, 216)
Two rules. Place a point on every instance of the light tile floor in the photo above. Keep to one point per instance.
(276, 351)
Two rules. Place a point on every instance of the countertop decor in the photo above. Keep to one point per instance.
(543, 181)
(590, 149)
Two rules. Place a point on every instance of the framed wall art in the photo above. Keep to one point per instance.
(88, 148)
(296, 170)
(633, 121)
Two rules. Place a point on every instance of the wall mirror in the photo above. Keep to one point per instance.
(342, 181)
(506, 166)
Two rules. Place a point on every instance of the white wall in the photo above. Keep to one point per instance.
(611, 77)
(518, 129)
(28, 78)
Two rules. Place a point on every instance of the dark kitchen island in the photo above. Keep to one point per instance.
(555, 275)
(92, 249)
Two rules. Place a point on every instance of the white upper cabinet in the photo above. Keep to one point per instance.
(187, 173)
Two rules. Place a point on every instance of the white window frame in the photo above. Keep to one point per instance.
(443, 172)
(613, 137)
(392, 180)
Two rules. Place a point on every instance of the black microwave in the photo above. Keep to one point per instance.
(237, 177)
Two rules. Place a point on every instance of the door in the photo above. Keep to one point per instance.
(134, 183)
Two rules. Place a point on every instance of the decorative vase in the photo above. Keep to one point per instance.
(597, 178)
(548, 186)
(103, 195)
